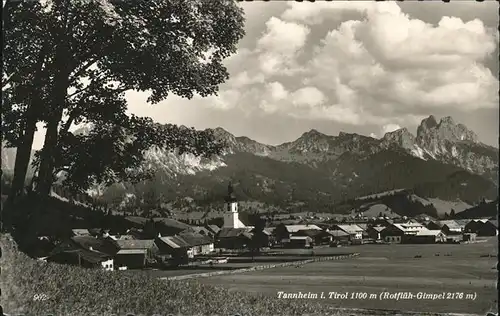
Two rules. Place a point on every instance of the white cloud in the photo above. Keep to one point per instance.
(372, 135)
(308, 96)
(244, 79)
(381, 67)
(279, 45)
(273, 97)
(389, 67)
(374, 66)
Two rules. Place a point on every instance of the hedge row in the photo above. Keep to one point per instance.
(256, 268)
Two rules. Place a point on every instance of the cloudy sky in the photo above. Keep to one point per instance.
(360, 67)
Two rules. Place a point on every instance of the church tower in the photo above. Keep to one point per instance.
(231, 219)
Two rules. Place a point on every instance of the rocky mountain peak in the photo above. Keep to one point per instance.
(429, 122)
(446, 121)
(430, 133)
(402, 137)
(312, 134)
(219, 131)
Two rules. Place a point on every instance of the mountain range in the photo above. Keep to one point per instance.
(443, 160)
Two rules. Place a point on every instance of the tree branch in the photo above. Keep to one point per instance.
(84, 68)
(72, 116)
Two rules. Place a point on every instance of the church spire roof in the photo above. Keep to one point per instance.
(231, 197)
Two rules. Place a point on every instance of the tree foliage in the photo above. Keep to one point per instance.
(69, 62)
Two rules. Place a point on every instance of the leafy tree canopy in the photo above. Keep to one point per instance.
(70, 62)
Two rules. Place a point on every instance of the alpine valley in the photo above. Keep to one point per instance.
(320, 173)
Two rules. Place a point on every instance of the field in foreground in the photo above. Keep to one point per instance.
(67, 290)
(390, 268)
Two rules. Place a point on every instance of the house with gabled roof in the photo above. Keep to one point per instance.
(82, 257)
(148, 244)
(449, 227)
(132, 258)
(234, 238)
(184, 246)
(145, 251)
(427, 236)
(282, 232)
(399, 233)
(103, 245)
(487, 228)
(339, 237)
(462, 223)
(374, 232)
(354, 231)
(474, 225)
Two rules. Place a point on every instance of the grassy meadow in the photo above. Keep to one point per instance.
(445, 268)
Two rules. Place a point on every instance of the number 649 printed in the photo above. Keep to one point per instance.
(40, 297)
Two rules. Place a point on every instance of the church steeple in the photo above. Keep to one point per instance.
(231, 197)
(231, 219)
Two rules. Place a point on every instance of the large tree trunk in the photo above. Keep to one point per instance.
(23, 155)
(25, 144)
(62, 65)
(45, 173)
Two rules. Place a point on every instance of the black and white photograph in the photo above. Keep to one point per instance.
(249, 158)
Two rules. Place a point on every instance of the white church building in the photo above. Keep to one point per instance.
(231, 218)
(233, 234)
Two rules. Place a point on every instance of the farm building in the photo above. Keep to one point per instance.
(449, 227)
(364, 226)
(482, 227)
(184, 246)
(374, 232)
(339, 237)
(174, 247)
(473, 225)
(318, 237)
(489, 228)
(282, 232)
(354, 231)
(102, 245)
(462, 223)
(139, 244)
(426, 237)
(398, 233)
(132, 258)
(199, 244)
(83, 258)
(234, 238)
(300, 242)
